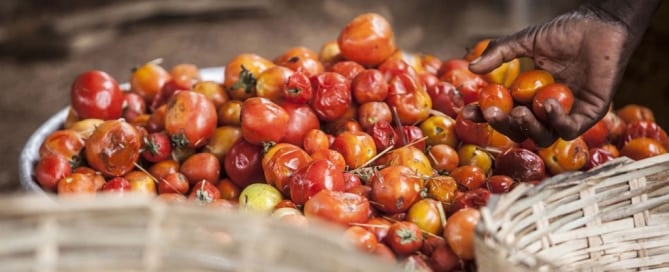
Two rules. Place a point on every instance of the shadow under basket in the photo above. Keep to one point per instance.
(614, 217)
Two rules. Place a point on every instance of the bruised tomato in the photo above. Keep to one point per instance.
(446, 98)
(243, 164)
(409, 98)
(313, 177)
(368, 86)
(113, 148)
(301, 120)
(332, 96)
(263, 121)
(298, 89)
(367, 39)
(384, 135)
(280, 162)
(395, 188)
(190, 119)
(338, 207)
(66, 143)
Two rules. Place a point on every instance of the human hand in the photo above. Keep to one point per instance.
(586, 49)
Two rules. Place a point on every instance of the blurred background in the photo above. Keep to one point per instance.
(45, 44)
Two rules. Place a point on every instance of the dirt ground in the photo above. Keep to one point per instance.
(34, 89)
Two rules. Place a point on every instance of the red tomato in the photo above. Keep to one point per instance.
(372, 112)
(441, 188)
(369, 85)
(332, 96)
(356, 147)
(204, 192)
(452, 64)
(498, 96)
(469, 176)
(282, 161)
(520, 164)
(351, 180)
(134, 106)
(633, 112)
(368, 39)
(263, 121)
(333, 156)
(162, 168)
(446, 98)
(96, 94)
(228, 190)
(384, 135)
(641, 148)
(409, 98)
(615, 126)
(395, 188)
(560, 92)
(443, 157)
(470, 132)
(157, 147)
(117, 185)
(459, 232)
(66, 143)
(475, 199)
(243, 164)
(338, 207)
(222, 140)
(499, 184)
(347, 68)
(468, 83)
(298, 89)
(301, 120)
(648, 129)
(113, 148)
(190, 118)
(301, 59)
(597, 135)
(201, 166)
(597, 156)
(271, 83)
(314, 177)
(50, 169)
(174, 183)
(404, 237)
(77, 184)
(315, 140)
(563, 156)
(362, 238)
(148, 80)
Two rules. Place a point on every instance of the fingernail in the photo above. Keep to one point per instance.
(476, 60)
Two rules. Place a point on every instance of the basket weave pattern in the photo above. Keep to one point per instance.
(615, 217)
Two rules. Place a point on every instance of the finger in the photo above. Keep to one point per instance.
(472, 112)
(503, 50)
(571, 125)
(499, 120)
(524, 119)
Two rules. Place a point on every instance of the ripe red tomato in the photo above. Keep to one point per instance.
(368, 39)
(157, 147)
(315, 176)
(229, 190)
(301, 119)
(332, 96)
(113, 148)
(134, 106)
(527, 83)
(95, 94)
(162, 168)
(190, 119)
(498, 96)
(372, 112)
(117, 185)
(282, 161)
(50, 169)
(316, 140)
(301, 59)
(362, 238)
(469, 176)
(298, 89)
(560, 92)
(201, 166)
(404, 237)
(204, 192)
(395, 188)
(243, 164)
(185, 75)
(470, 132)
(597, 135)
(241, 74)
(446, 98)
(263, 121)
(499, 184)
(369, 85)
(77, 184)
(148, 79)
(615, 126)
(384, 135)
(347, 68)
(459, 232)
(174, 183)
(333, 156)
(648, 129)
(597, 156)
(468, 83)
(633, 112)
(357, 147)
(338, 207)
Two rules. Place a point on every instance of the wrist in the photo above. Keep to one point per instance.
(635, 15)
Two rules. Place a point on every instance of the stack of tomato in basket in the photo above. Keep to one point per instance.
(360, 134)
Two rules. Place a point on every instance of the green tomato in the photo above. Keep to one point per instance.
(259, 197)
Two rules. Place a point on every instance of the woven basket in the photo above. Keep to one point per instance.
(615, 217)
(135, 233)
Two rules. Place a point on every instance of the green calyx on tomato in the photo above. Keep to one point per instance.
(179, 140)
(246, 81)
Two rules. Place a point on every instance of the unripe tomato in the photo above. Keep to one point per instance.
(439, 130)
(473, 155)
(425, 214)
(459, 232)
(368, 39)
(96, 94)
(113, 148)
(141, 182)
(190, 119)
(259, 197)
(263, 121)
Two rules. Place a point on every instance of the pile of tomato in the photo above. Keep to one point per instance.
(360, 134)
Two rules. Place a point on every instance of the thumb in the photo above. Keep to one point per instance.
(503, 50)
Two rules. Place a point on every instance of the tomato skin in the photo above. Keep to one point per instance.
(192, 117)
(263, 121)
(332, 96)
(395, 188)
(357, 147)
(442, 188)
(384, 135)
(498, 96)
(50, 169)
(96, 94)
(338, 207)
(229, 190)
(243, 164)
(470, 132)
(222, 140)
(459, 232)
(260, 197)
(301, 119)
(367, 39)
(560, 92)
(314, 177)
(362, 238)
(301, 59)
(201, 166)
(476, 199)
(281, 162)
(368, 86)
(446, 98)
(333, 156)
(230, 113)
(77, 184)
(404, 237)
(113, 148)
(409, 98)
(157, 147)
